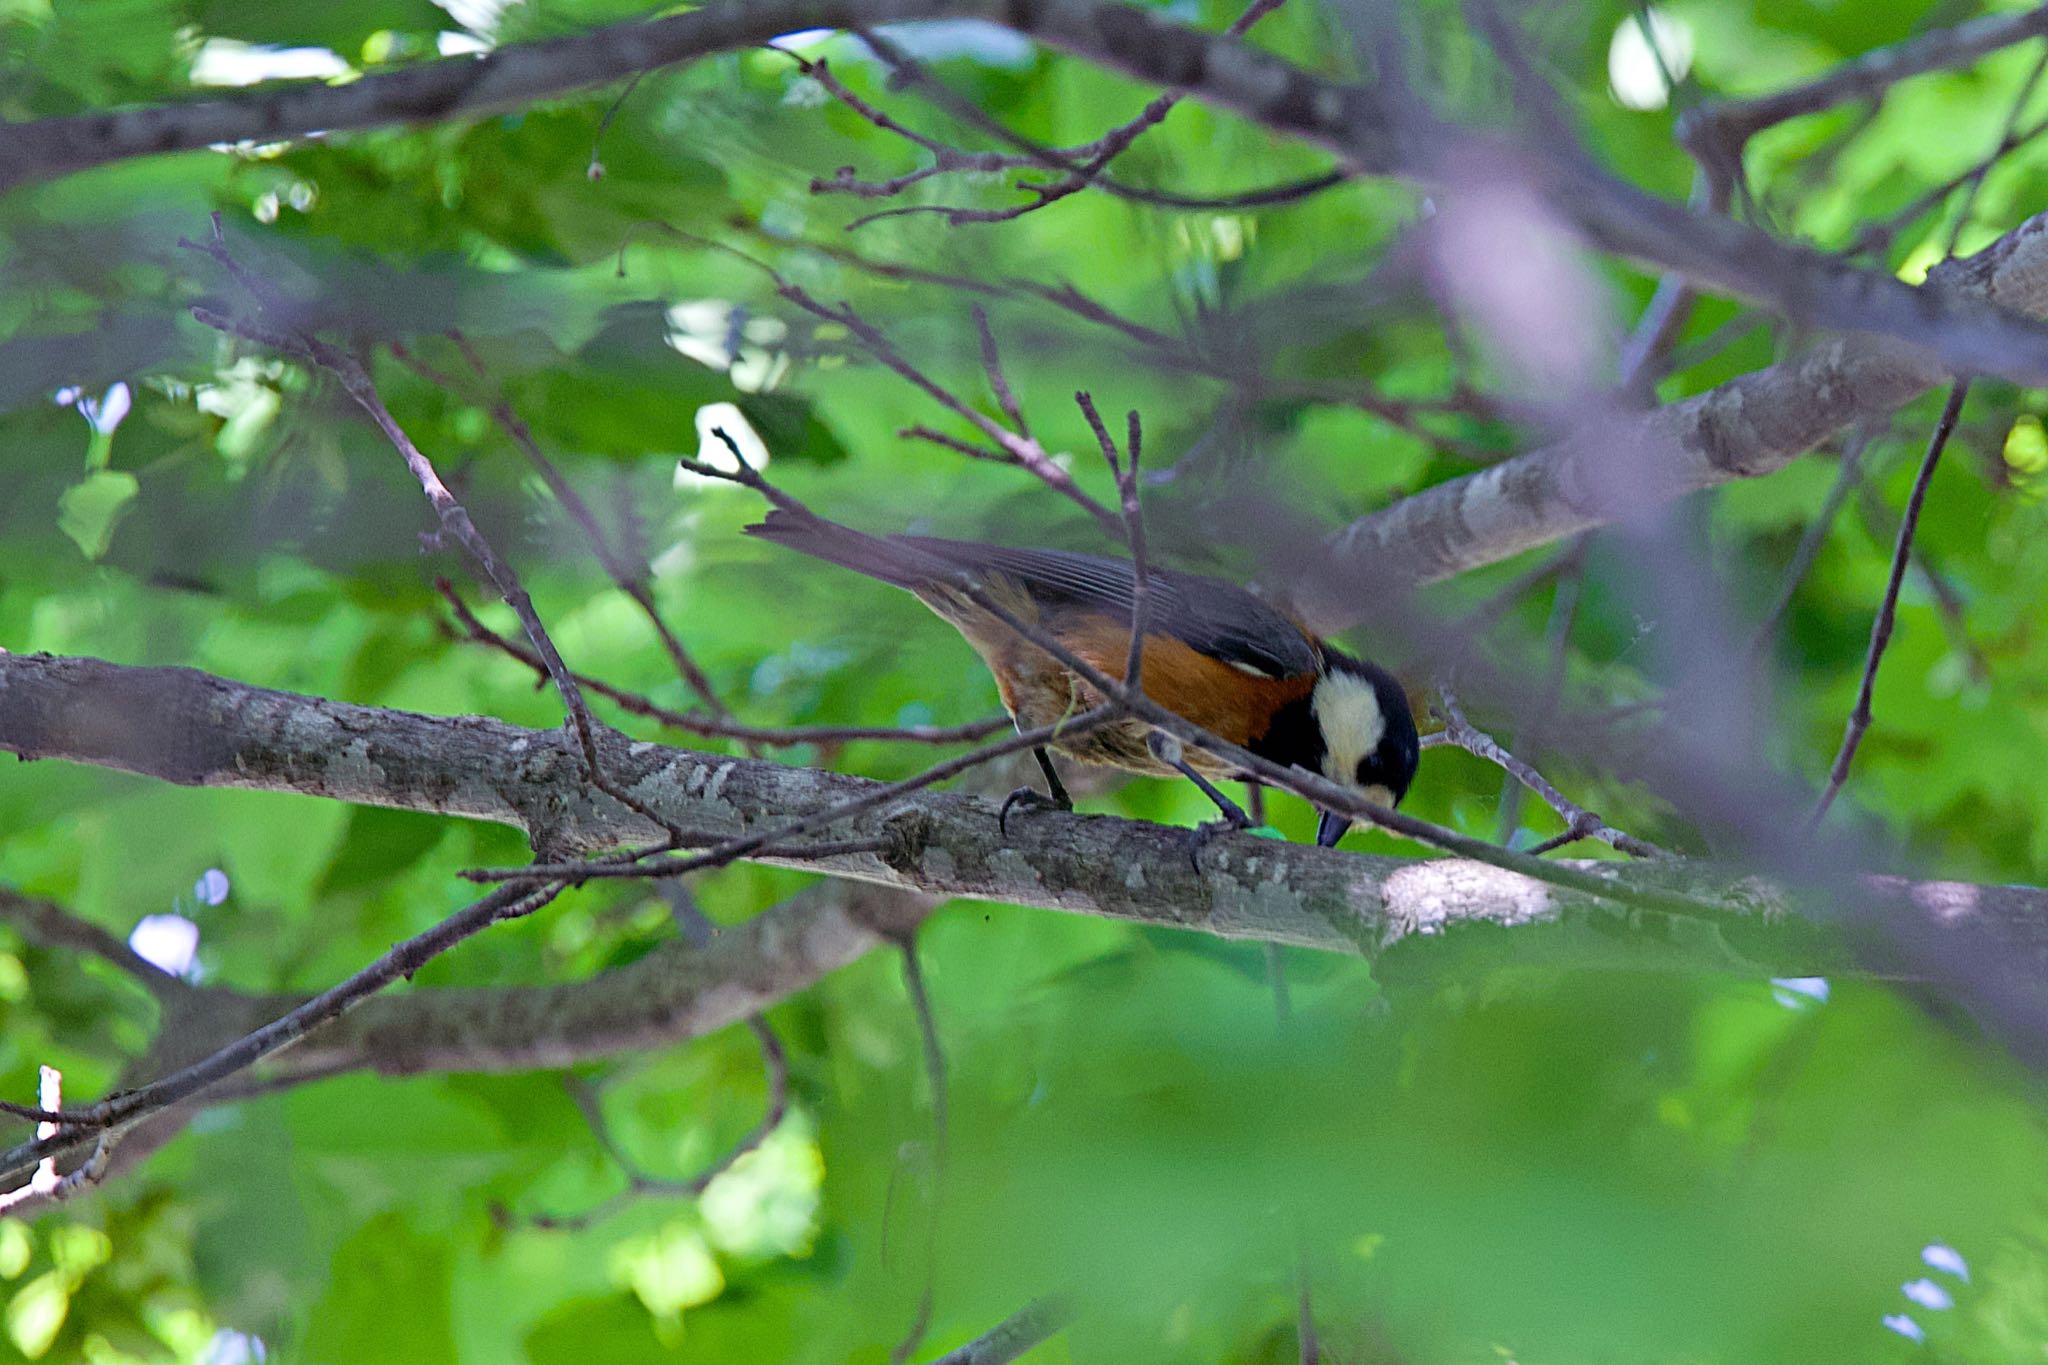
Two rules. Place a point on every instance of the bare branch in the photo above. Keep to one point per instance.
(1015, 447)
(695, 723)
(1180, 353)
(1887, 612)
(631, 579)
(1878, 236)
(454, 518)
(992, 362)
(1948, 600)
(1078, 167)
(935, 1077)
(194, 729)
(1580, 823)
(1126, 476)
(1750, 426)
(928, 1039)
(1734, 122)
(123, 1110)
(1019, 448)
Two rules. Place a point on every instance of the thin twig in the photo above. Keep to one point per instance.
(1580, 823)
(1879, 236)
(694, 723)
(992, 362)
(401, 960)
(1019, 449)
(630, 578)
(453, 517)
(1557, 638)
(1022, 450)
(1887, 612)
(1489, 609)
(640, 1184)
(595, 169)
(928, 1038)
(1180, 353)
(1975, 184)
(1077, 168)
(1948, 600)
(935, 1076)
(1126, 475)
(1308, 1345)
(1866, 76)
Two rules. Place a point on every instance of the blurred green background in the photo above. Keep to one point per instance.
(1467, 1161)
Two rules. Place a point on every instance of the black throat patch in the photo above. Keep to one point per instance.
(1294, 738)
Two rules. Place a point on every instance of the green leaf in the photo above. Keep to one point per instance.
(36, 1313)
(388, 1300)
(791, 429)
(378, 846)
(341, 28)
(90, 509)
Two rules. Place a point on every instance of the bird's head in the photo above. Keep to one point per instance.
(1368, 734)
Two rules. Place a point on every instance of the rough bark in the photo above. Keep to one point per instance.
(194, 728)
(1622, 464)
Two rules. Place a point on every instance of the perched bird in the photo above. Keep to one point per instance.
(1214, 653)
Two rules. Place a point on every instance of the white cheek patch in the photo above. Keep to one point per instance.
(1348, 712)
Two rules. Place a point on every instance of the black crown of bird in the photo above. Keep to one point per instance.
(1214, 653)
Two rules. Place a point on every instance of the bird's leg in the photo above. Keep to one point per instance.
(1033, 798)
(1055, 788)
(1167, 750)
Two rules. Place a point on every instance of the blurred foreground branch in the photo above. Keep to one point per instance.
(1359, 123)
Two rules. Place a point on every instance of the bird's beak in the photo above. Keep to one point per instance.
(1330, 828)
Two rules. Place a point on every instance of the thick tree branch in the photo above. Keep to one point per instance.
(1749, 426)
(52, 926)
(193, 728)
(676, 992)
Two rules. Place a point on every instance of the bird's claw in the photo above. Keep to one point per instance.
(1198, 838)
(1031, 799)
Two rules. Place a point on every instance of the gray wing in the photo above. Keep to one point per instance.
(1216, 618)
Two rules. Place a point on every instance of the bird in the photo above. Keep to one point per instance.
(1214, 653)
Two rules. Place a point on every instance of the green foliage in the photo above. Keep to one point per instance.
(1471, 1163)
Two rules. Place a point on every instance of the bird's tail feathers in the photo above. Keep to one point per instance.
(885, 557)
